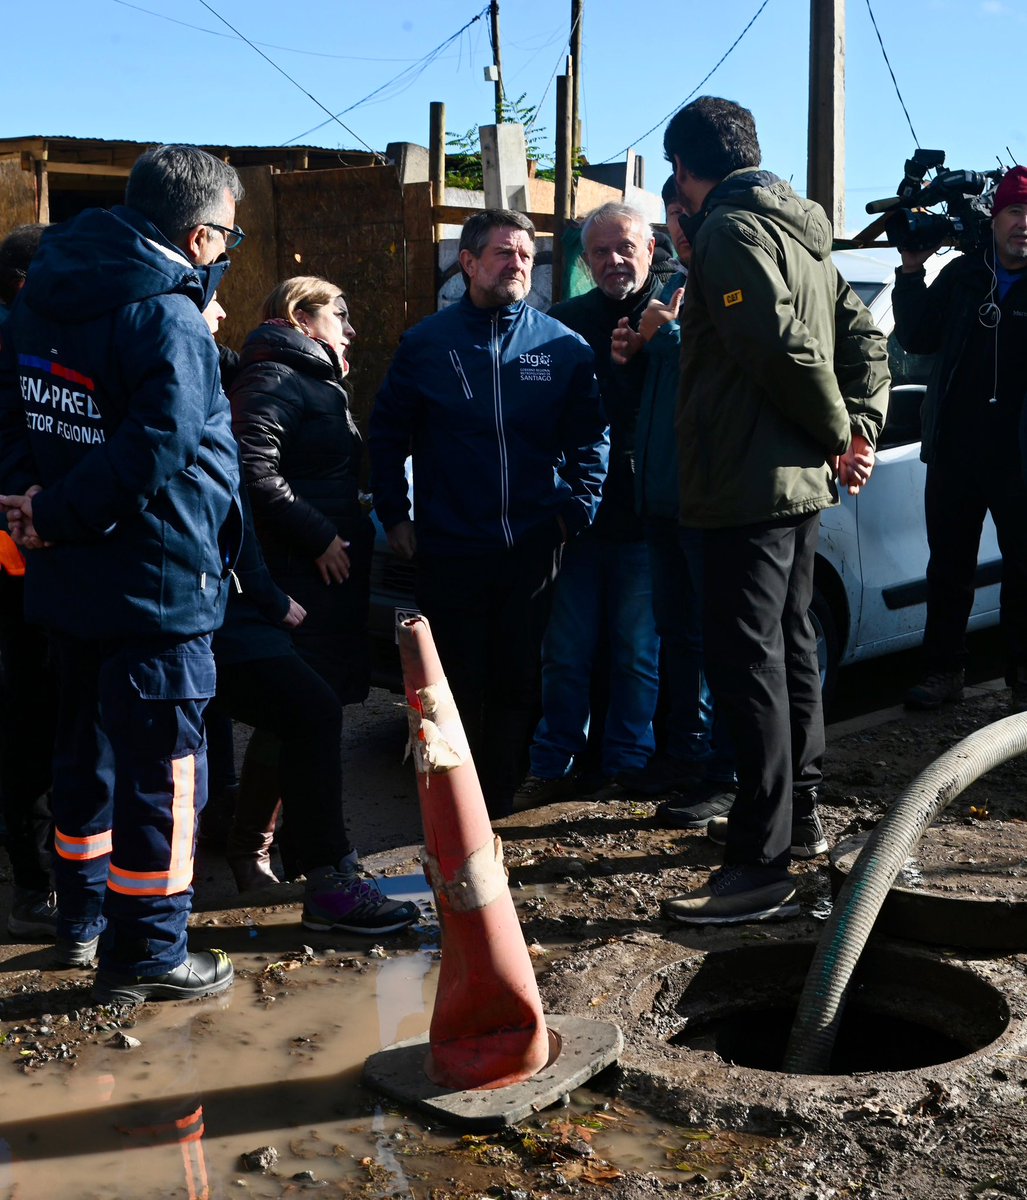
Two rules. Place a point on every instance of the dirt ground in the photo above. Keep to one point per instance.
(591, 874)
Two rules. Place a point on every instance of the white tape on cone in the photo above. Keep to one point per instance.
(480, 880)
(437, 737)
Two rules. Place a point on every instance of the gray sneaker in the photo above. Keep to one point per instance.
(735, 895)
(807, 836)
(936, 689)
(33, 915)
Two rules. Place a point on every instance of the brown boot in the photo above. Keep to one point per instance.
(248, 852)
(256, 811)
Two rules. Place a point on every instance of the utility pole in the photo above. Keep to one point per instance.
(825, 172)
(577, 19)
(497, 59)
(564, 199)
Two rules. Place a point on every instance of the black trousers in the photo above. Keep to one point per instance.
(26, 739)
(956, 498)
(761, 663)
(285, 697)
(488, 614)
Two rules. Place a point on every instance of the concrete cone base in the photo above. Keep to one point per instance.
(586, 1047)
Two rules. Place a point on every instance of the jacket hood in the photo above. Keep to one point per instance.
(103, 259)
(276, 341)
(772, 199)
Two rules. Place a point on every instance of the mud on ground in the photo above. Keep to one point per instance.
(588, 876)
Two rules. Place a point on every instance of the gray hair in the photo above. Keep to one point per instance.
(180, 187)
(478, 229)
(615, 210)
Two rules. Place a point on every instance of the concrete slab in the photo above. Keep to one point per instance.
(585, 1048)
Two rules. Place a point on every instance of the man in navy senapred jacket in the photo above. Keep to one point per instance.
(117, 457)
(499, 406)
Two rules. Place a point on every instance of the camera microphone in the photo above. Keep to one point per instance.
(885, 205)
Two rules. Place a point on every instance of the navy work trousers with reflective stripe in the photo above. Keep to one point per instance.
(130, 778)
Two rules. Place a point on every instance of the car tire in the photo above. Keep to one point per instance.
(826, 629)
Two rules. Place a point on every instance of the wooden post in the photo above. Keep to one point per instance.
(437, 159)
(42, 189)
(825, 172)
(562, 209)
(498, 59)
(577, 20)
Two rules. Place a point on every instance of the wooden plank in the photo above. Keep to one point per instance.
(17, 197)
(347, 225)
(255, 263)
(75, 168)
(420, 256)
(448, 214)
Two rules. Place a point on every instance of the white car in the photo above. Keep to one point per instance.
(870, 581)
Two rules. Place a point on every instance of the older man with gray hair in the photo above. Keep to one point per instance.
(116, 450)
(604, 592)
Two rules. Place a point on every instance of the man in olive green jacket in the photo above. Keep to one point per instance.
(784, 386)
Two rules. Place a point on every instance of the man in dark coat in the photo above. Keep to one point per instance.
(498, 405)
(784, 386)
(973, 318)
(603, 597)
(117, 453)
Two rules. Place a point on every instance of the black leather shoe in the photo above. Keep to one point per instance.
(204, 973)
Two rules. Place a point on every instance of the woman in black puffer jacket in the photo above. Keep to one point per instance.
(301, 454)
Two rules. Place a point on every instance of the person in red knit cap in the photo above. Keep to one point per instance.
(973, 318)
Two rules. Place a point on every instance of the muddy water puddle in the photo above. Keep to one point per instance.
(192, 1100)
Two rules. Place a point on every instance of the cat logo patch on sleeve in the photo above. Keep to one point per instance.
(733, 298)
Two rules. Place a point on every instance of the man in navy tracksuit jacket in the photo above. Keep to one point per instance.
(117, 455)
(499, 406)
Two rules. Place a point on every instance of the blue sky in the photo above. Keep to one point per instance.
(108, 68)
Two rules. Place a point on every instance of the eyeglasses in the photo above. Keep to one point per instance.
(233, 237)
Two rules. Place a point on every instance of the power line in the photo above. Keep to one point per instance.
(281, 70)
(682, 104)
(538, 107)
(270, 45)
(873, 21)
(418, 67)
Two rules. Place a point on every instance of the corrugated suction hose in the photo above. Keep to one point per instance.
(873, 873)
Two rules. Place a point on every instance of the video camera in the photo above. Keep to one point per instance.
(966, 195)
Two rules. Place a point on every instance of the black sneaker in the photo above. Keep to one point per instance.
(344, 901)
(535, 791)
(33, 915)
(696, 808)
(807, 836)
(204, 973)
(936, 689)
(734, 895)
(660, 775)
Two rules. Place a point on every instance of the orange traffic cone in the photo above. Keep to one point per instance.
(487, 1028)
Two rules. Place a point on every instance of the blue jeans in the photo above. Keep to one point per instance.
(603, 592)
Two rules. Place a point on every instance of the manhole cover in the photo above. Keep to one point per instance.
(966, 885)
(905, 1011)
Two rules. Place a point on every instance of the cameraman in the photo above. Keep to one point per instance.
(974, 319)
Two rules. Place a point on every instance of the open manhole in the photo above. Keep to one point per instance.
(966, 885)
(905, 1011)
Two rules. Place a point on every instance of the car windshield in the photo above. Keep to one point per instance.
(867, 291)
